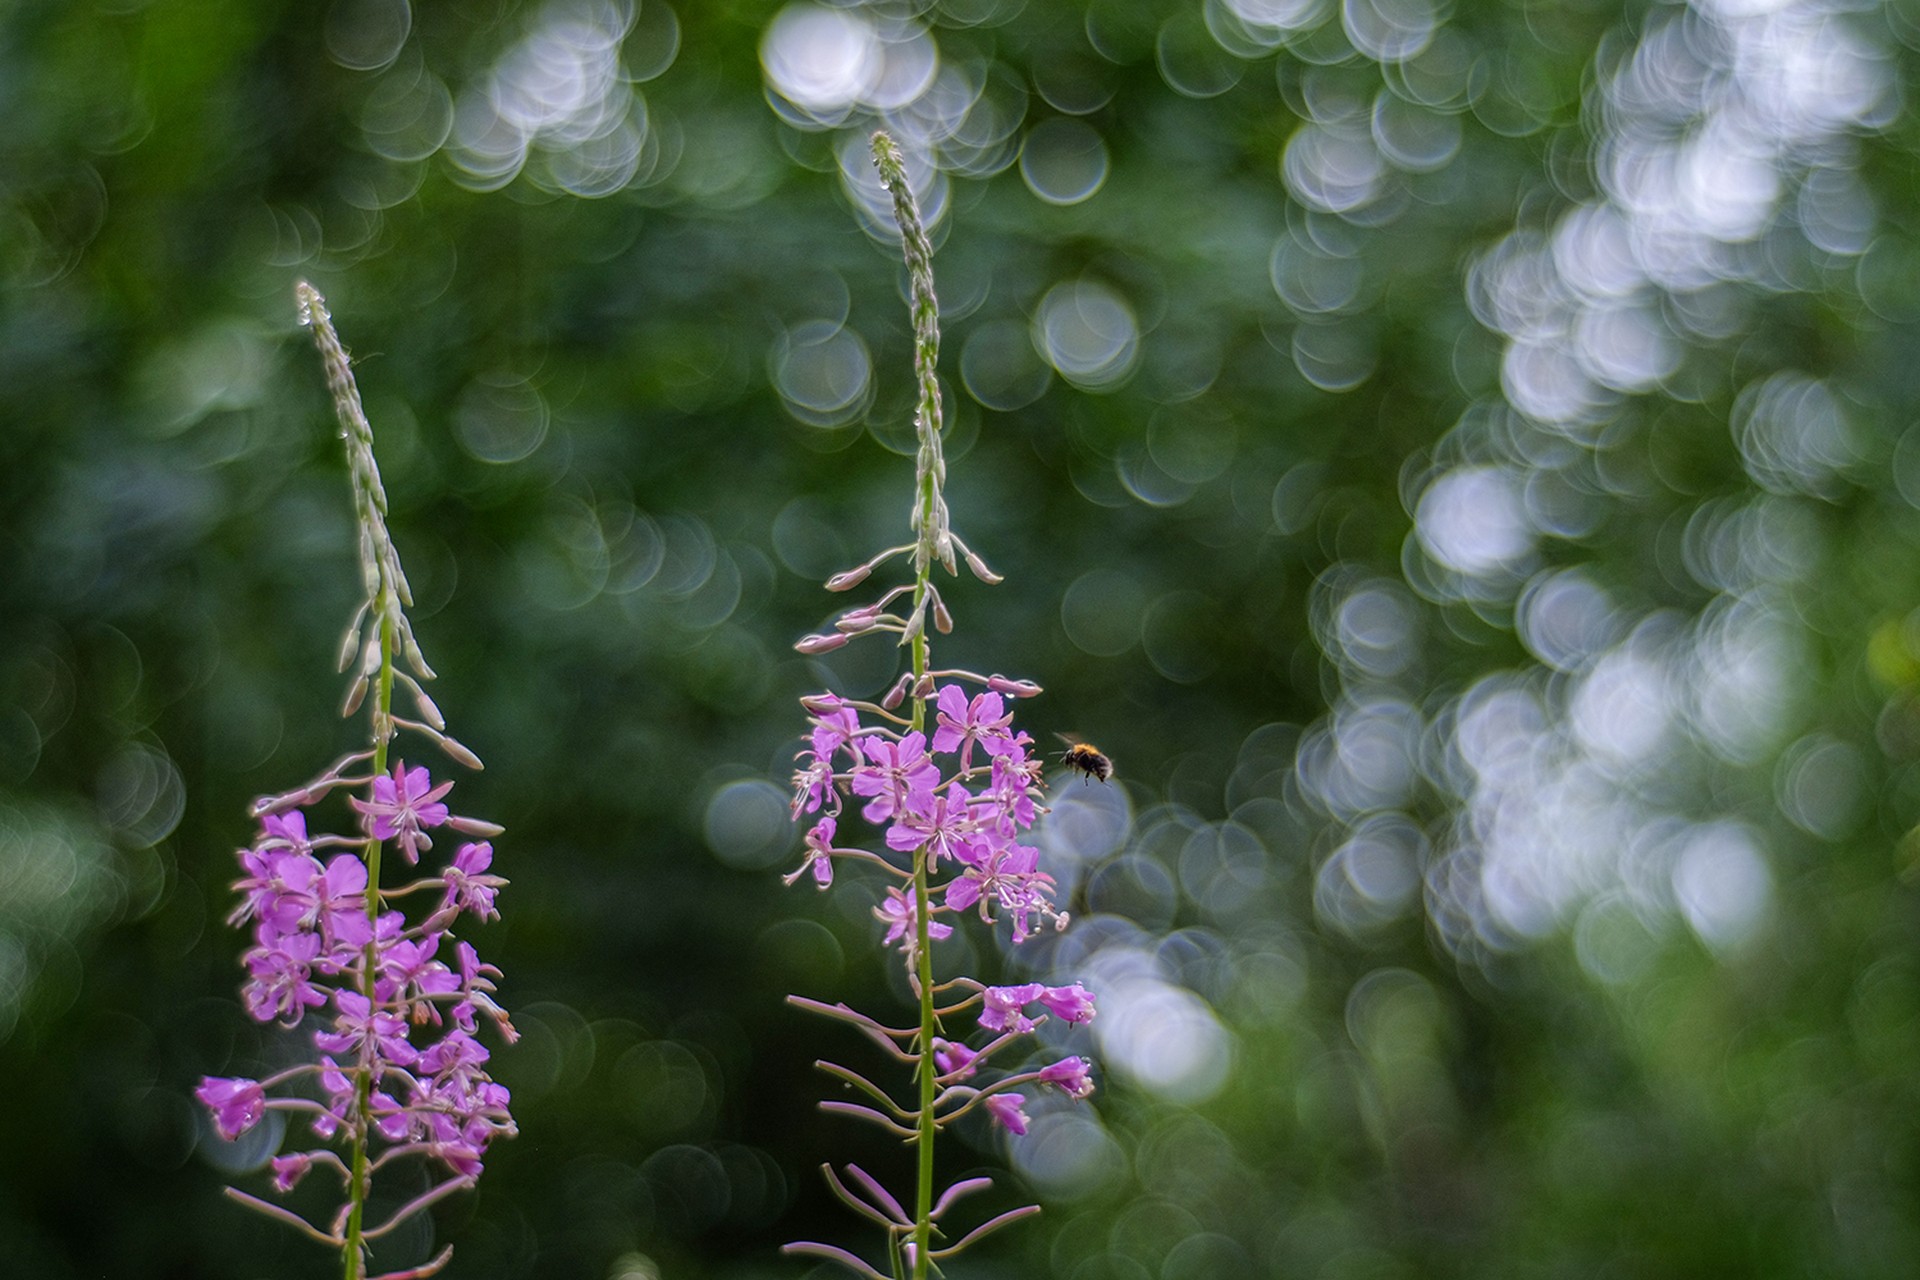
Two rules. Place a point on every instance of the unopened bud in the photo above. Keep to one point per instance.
(941, 618)
(460, 752)
(821, 643)
(429, 710)
(821, 704)
(476, 827)
(350, 642)
(924, 689)
(980, 570)
(854, 621)
(897, 694)
(850, 579)
(1012, 688)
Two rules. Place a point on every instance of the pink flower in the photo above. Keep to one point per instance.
(984, 720)
(468, 886)
(819, 858)
(289, 1169)
(898, 914)
(403, 807)
(1009, 1112)
(1009, 876)
(379, 1037)
(945, 827)
(954, 1060)
(1003, 1008)
(280, 979)
(898, 776)
(1070, 1076)
(1070, 1004)
(237, 1104)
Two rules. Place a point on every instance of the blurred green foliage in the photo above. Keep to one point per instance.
(1472, 499)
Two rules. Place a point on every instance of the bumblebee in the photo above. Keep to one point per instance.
(1087, 758)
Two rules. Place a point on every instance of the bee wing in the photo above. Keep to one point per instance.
(1072, 740)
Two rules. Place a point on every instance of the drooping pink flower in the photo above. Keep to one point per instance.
(819, 859)
(833, 730)
(469, 887)
(1008, 1110)
(289, 1169)
(953, 1059)
(1004, 1008)
(237, 1104)
(898, 914)
(1072, 1003)
(1070, 1076)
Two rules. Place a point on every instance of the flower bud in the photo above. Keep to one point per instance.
(429, 709)
(851, 578)
(941, 618)
(356, 693)
(1012, 688)
(811, 645)
(460, 752)
(854, 621)
(980, 570)
(898, 693)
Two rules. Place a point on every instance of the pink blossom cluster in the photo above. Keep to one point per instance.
(399, 1004)
(974, 832)
(965, 796)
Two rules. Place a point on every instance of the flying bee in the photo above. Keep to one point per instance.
(1085, 757)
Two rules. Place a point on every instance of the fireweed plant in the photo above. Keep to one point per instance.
(394, 1002)
(952, 806)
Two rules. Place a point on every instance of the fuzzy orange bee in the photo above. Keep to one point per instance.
(1085, 757)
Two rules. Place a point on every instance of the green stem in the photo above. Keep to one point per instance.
(363, 1092)
(923, 911)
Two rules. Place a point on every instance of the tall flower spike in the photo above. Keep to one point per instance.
(954, 798)
(397, 1070)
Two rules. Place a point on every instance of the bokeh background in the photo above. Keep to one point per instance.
(1458, 459)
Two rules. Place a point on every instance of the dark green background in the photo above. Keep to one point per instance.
(612, 613)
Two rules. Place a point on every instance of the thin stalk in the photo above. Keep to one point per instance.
(932, 543)
(363, 1090)
(927, 1069)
